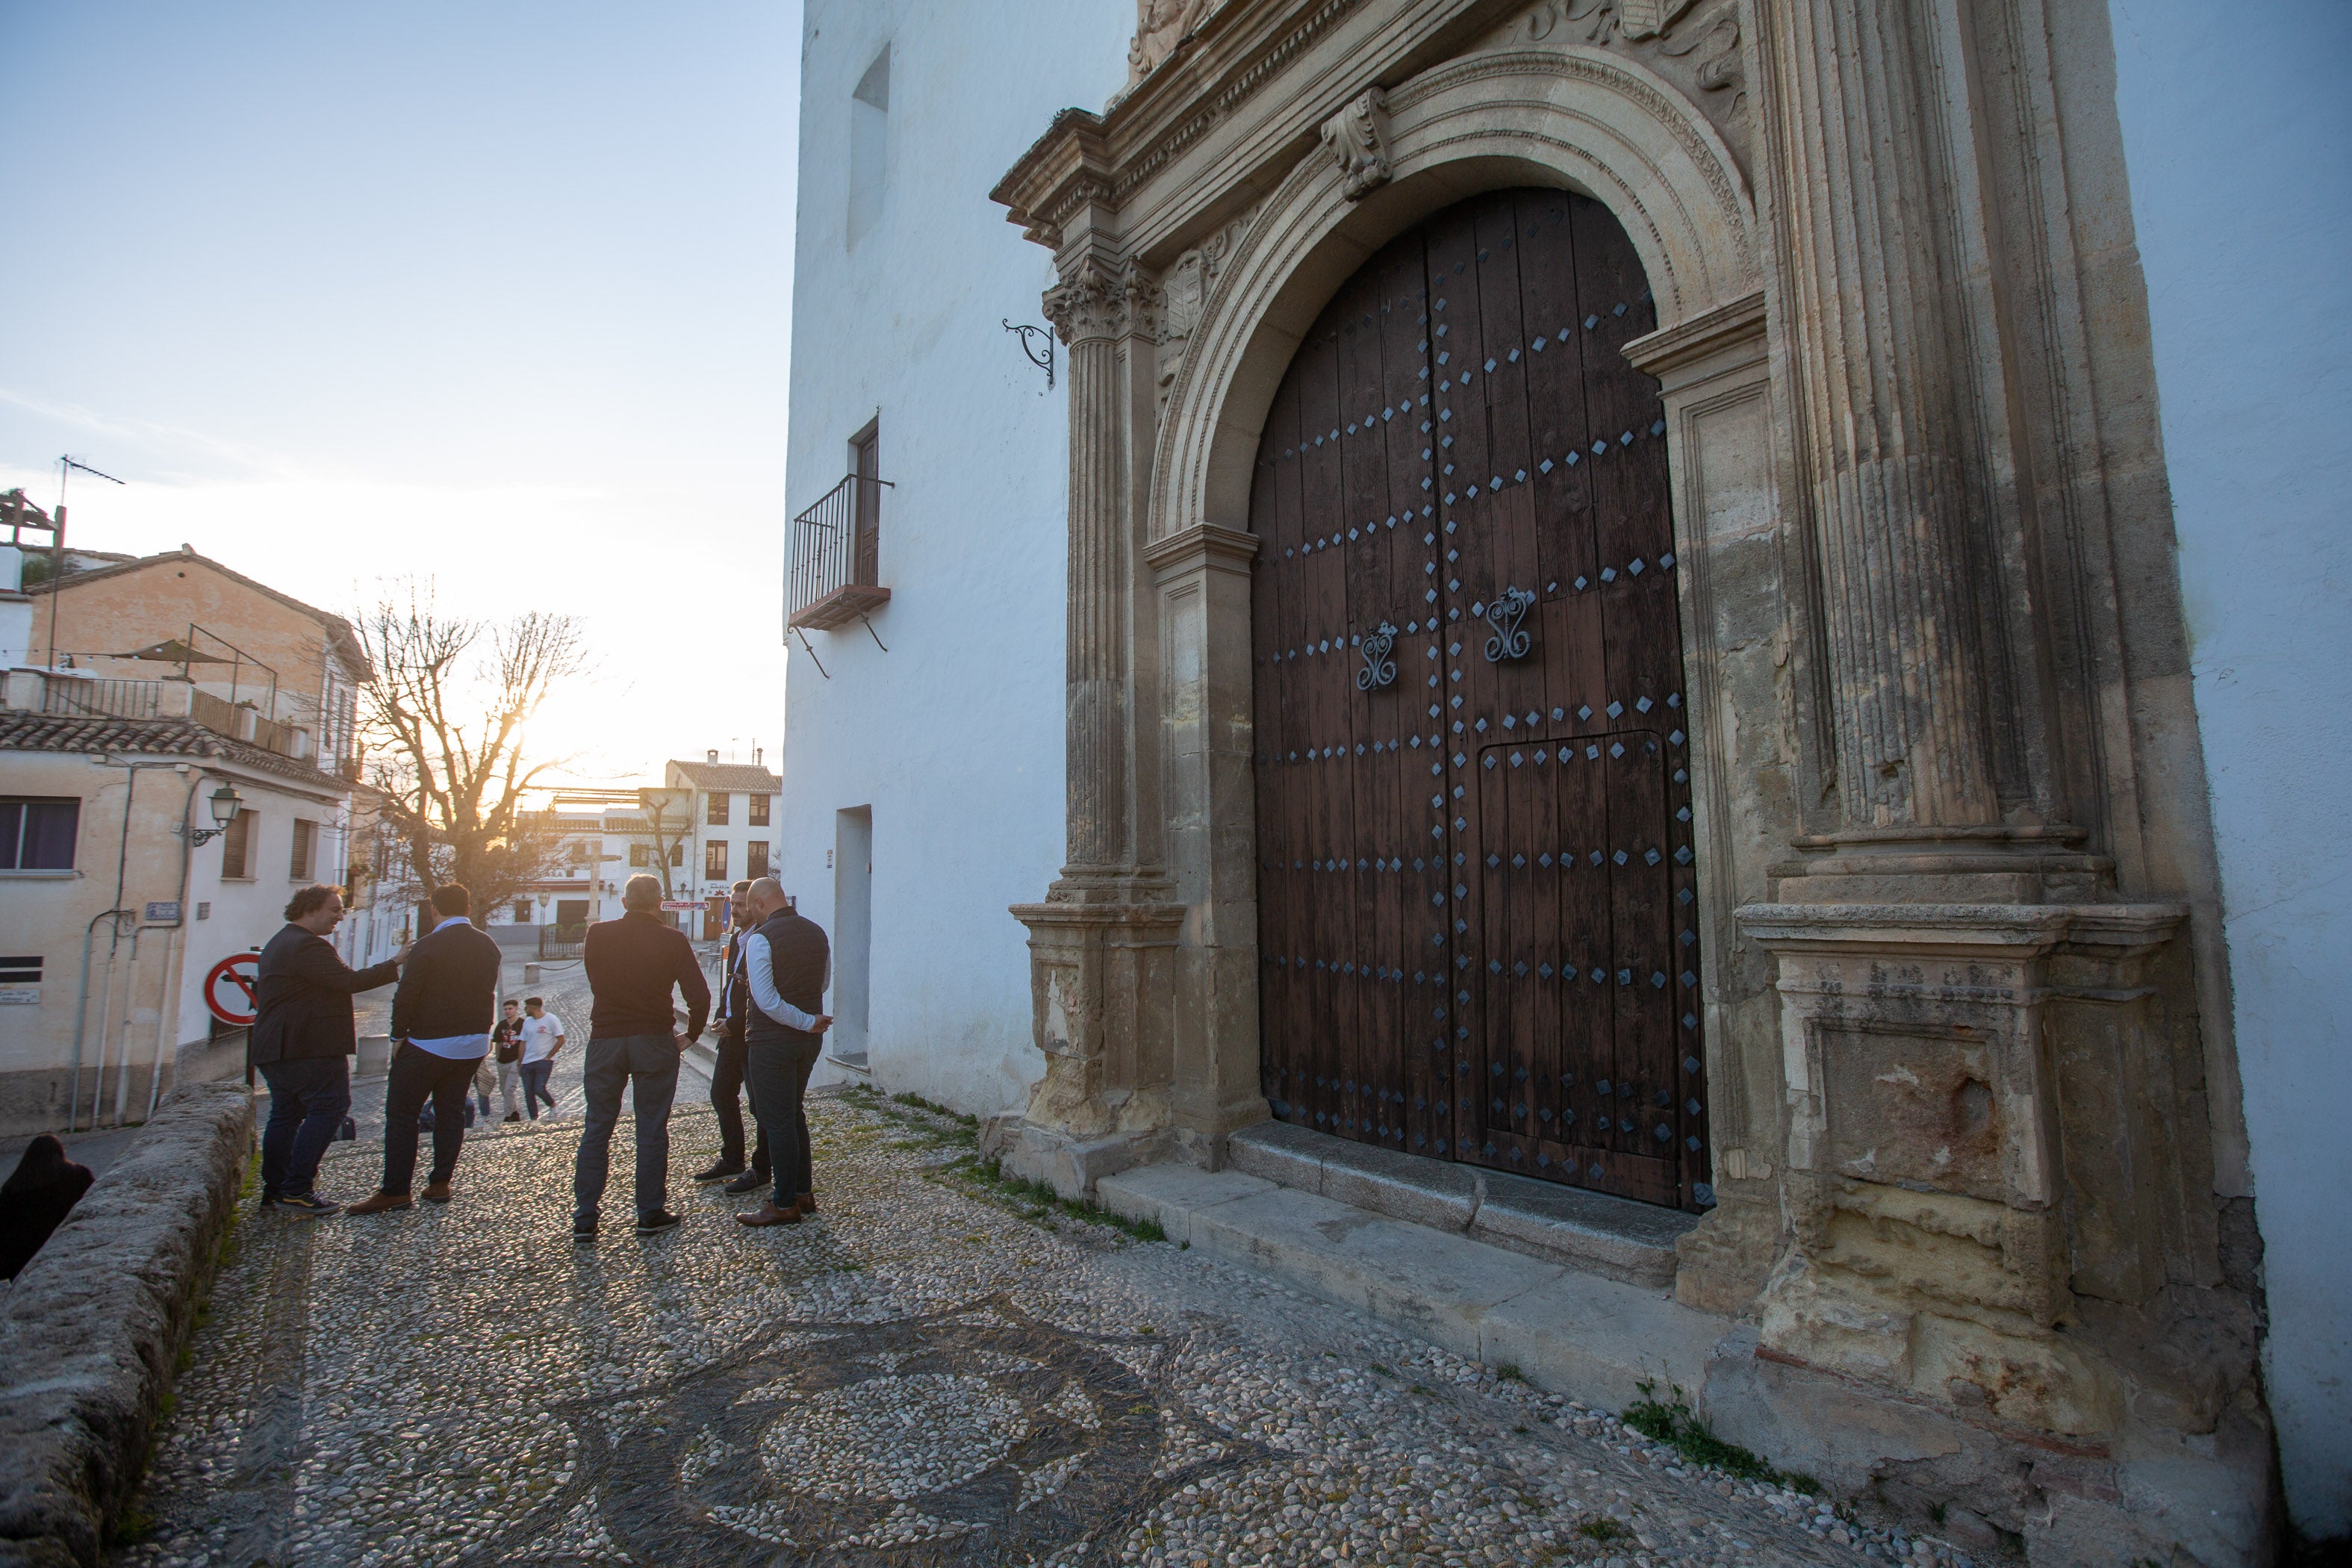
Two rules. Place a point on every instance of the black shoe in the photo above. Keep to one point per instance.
(748, 1181)
(718, 1170)
(514, 1116)
(583, 1230)
(651, 1223)
(309, 1204)
(272, 1200)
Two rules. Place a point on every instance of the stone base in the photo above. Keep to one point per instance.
(1071, 1167)
(2203, 1501)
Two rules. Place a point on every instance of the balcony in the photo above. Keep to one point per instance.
(66, 694)
(835, 556)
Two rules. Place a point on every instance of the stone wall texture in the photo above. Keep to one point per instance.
(91, 1331)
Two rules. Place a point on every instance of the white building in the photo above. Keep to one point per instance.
(2201, 198)
(924, 784)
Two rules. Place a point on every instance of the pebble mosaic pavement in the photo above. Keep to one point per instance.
(927, 1372)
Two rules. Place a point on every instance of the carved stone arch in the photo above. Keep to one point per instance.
(1581, 119)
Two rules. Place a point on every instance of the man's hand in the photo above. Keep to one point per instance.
(401, 955)
(820, 1024)
(681, 1042)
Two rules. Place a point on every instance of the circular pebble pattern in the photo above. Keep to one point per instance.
(924, 1374)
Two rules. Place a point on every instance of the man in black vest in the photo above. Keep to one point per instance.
(441, 1019)
(727, 1076)
(302, 1033)
(633, 963)
(787, 963)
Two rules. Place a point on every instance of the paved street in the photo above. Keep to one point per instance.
(935, 1370)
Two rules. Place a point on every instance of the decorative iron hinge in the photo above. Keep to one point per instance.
(1379, 670)
(1509, 608)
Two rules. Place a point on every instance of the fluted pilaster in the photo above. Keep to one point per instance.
(1861, 225)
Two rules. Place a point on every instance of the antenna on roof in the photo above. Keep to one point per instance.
(67, 464)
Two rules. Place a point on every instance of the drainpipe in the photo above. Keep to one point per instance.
(82, 1015)
(172, 929)
(114, 946)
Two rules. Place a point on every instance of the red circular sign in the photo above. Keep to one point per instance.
(228, 989)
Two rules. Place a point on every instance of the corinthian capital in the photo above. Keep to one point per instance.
(1092, 301)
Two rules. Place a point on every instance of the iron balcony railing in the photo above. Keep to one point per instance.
(835, 556)
(107, 698)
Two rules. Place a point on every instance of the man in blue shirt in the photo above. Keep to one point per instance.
(441, 1019)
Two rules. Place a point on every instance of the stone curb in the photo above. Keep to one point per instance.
(91, 1330)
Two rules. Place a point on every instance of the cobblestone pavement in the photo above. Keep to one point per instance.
(935, 1370)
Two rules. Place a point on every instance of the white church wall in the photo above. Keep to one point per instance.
(952, 741)
(2243, 201)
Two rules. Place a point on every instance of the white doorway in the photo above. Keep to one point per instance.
(853, 934)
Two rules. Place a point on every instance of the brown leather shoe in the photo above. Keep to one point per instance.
(381, 1203)
(769, 1214)
(806, 1202)
(435, 1193)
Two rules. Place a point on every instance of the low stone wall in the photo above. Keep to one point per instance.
(91, 1330)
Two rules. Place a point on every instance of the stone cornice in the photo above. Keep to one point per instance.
(1204, 544)
(1736, 325)
(1239, 49)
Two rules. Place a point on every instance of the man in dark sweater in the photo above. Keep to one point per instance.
(788, 964)
(633, 965)
(441, 1019)
(301, 1040)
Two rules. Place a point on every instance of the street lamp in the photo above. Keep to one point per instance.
(225, 804)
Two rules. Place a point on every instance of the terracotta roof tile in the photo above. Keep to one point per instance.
(739, 778)
(21, 731)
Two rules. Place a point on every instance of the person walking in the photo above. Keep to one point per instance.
(506, 1045)
(541, 1034)
(788, 964)
(727, 1076)
(441, 1019)
(302, 1039)
(633, 965)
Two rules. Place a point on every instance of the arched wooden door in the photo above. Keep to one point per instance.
(1477, 913)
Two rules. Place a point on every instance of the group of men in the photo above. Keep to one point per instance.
(444, 1032)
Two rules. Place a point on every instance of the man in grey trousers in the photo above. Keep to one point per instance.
(632, 964)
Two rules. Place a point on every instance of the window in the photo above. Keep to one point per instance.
(755, 859)
(869, 145)
(20, 971)
(640, 856)
(866, 462)
(37, 834)
(715, 812)
(677, 853)
(759, 804)
(236, 848)
(714, 860)
(522, 912)
(306, 850)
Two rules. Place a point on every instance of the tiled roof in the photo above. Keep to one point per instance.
(733, 778)
(21, 731)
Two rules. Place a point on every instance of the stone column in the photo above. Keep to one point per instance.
(1862, 218)
(1101, 944)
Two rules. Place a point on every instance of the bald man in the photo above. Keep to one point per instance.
(632, 964)
(787, 964)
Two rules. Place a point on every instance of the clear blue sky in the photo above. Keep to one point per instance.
(497, 293)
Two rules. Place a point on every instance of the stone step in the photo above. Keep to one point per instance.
(1614, 1238)
(1565, 1330)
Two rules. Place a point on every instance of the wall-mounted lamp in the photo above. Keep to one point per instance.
(225, 804)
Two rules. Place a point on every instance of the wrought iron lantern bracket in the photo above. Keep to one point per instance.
(1031, 336)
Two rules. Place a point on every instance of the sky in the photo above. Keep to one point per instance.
(496, 294)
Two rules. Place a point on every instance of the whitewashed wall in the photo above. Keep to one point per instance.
(2237, 141)
(954, 737)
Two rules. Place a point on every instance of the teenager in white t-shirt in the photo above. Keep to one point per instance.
(542, 1036)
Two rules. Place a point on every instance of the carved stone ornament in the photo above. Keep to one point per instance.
(1359, 137)
(1093, 302)
(1159, 26)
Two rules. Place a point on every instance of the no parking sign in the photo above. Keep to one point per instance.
(228, 988)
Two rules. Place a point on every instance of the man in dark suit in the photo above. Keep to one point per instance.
(441, 1018)
(788, 964)
(727, 1075)
(302, 1035)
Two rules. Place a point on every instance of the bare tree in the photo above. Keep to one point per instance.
(669, 819)
(448, 716)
